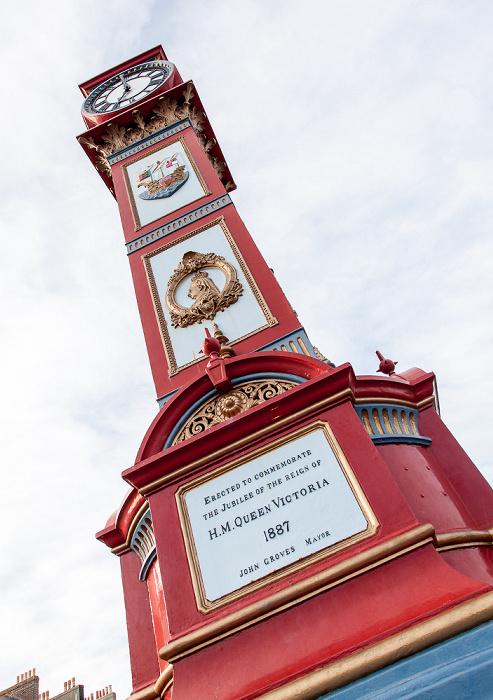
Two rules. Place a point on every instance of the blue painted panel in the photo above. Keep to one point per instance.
(458, 669)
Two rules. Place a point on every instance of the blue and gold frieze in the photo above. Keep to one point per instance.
(137, 244)
(143, 543)
(391, 423)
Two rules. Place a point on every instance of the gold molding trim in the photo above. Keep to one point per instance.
(203, 603)
(141, 156)
(463, 538)
(298, 592)
(397, 402)
(173, 367)
(245, 440)
(157, 689)
(438, 629)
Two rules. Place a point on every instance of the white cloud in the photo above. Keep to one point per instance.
(359, 135)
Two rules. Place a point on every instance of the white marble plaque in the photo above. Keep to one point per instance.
(247, 315)
(279, 507)
(162, 181)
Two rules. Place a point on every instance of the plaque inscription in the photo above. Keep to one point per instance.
(285, 503)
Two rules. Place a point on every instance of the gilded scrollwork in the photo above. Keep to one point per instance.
(221, 408)
(167, 112)
(101, 156)
(208, 299)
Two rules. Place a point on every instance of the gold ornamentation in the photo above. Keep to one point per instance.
(376, 420)
(101, 160)
(231, 404)
(144, 156)
(226, 350)
(221, 408)
(391, 424)
(317, 352)
(245, 440)
(167, 112)
(208, 299)
(146, 258)
(366, 422)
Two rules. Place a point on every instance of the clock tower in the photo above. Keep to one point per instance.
(291, 529)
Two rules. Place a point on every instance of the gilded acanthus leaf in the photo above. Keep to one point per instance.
(218, 166)
(115, 137)
(207, 144)
(140, 131)
(102, 164)
(197, 118)
(188, 93)
(139, 119)
(167, 112)
(101, 160)
(89, 142)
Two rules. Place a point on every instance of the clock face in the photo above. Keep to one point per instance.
(126, 88)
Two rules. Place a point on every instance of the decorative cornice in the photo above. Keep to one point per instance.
(246, 440)
(391, 423)
(167, 112)
(298, 592)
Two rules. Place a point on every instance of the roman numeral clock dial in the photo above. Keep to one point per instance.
(126, 88)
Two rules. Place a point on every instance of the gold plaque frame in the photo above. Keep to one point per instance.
(173, 367)
(205, 605)
(160, 147)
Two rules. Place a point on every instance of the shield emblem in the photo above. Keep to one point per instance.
(162, 178)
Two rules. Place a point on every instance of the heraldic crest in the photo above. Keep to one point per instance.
(209, 300)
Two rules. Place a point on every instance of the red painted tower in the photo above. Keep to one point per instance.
(290, 527)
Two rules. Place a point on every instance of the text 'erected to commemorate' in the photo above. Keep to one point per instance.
(271, 511)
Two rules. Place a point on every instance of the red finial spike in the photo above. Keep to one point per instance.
(211, 346)
(386, 366)
(215, 368)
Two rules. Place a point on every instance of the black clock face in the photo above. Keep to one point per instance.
(127, 88)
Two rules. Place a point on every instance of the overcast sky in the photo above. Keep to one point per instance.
(359, 134)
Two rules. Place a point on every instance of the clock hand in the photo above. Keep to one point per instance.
(126, 86)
